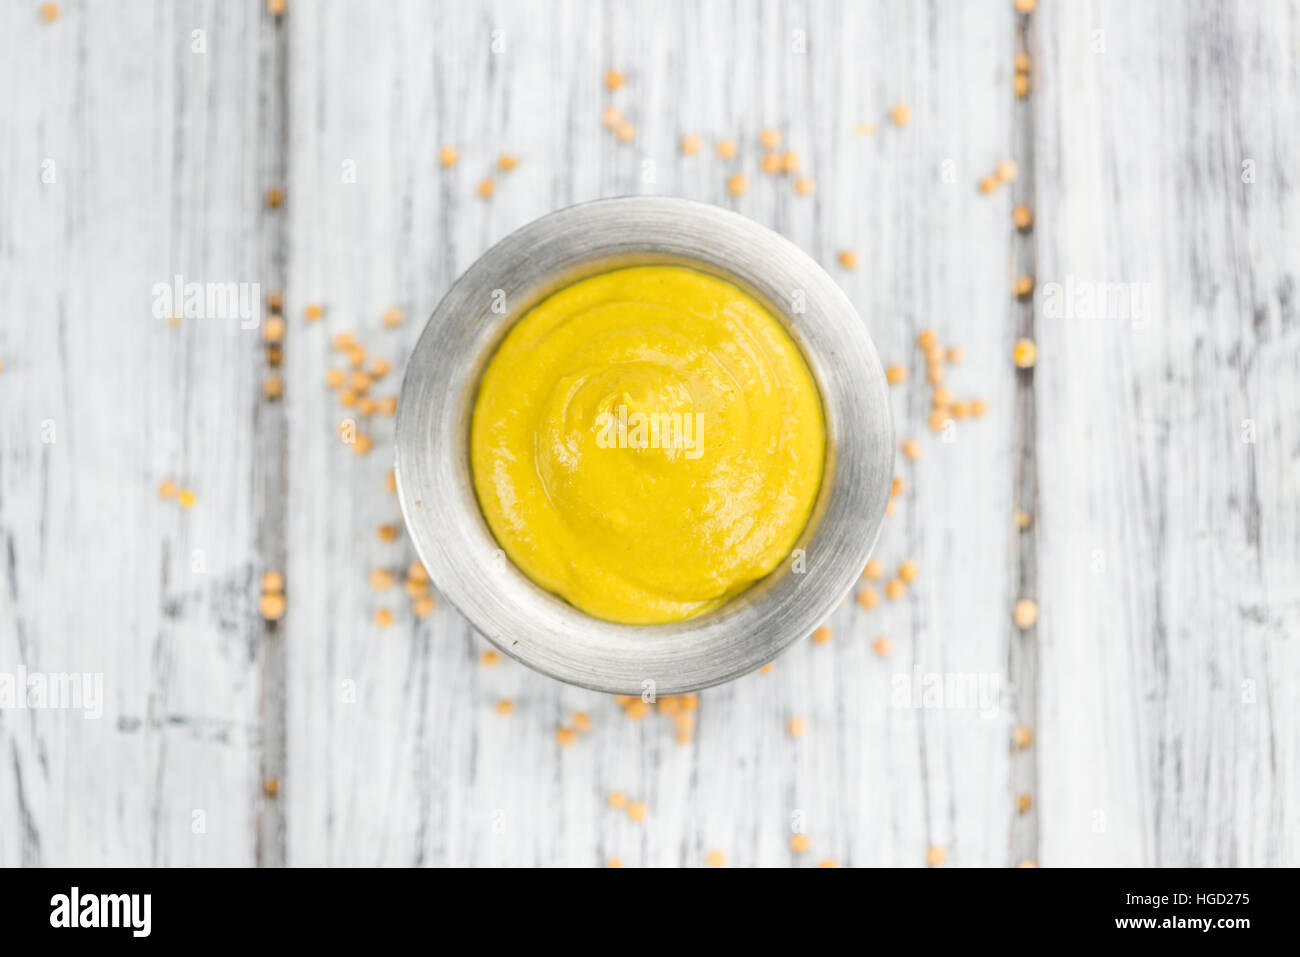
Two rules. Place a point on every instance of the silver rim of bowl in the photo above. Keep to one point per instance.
(436, 489)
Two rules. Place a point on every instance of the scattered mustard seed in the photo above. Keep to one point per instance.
(738, 184)
(490, 658)
(798, 727)
(1022, 737)
(167, 489)
(769, 138)
(49, 12)
(566, 737)
(822, 635)
(895, 589)
(883, 645)
(803, 186)
(613, 80)
(274, 198)
(1022, 218)
(507, 162)
(868, 598)
(486, 188)
(1025, 353)
(187, 498)
(381, 579)
(726, 149)
(908, 571)
(800, 843)
(895, 375)
(690, 144)
(505, 707)
(716, 858)
(448, 156)
(383, 617)
(936, 856)
(1025, 613)
(272, 582)
(424, 606)
(1007, 171)
(848, 259)
(1024, 287)
(273, 329)
(1023, 803)
(901, 114)
(637, 810)
(911, 449)
(272, 606)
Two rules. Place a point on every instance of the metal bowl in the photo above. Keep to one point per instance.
(543, 631)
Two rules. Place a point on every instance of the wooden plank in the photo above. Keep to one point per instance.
(151, 158)
(1170, 533)
(417, 768)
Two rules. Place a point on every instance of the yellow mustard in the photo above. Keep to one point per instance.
(647, 443)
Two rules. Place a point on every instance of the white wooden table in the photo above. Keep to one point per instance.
(1157, 454)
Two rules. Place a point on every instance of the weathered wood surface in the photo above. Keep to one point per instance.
(1169, 446)
(1150, 747)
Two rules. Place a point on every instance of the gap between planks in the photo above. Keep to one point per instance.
(271, 470)
(1022, 657)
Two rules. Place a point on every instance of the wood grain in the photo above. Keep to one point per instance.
(153, 158)
(1169, 544)
(1161, 688)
